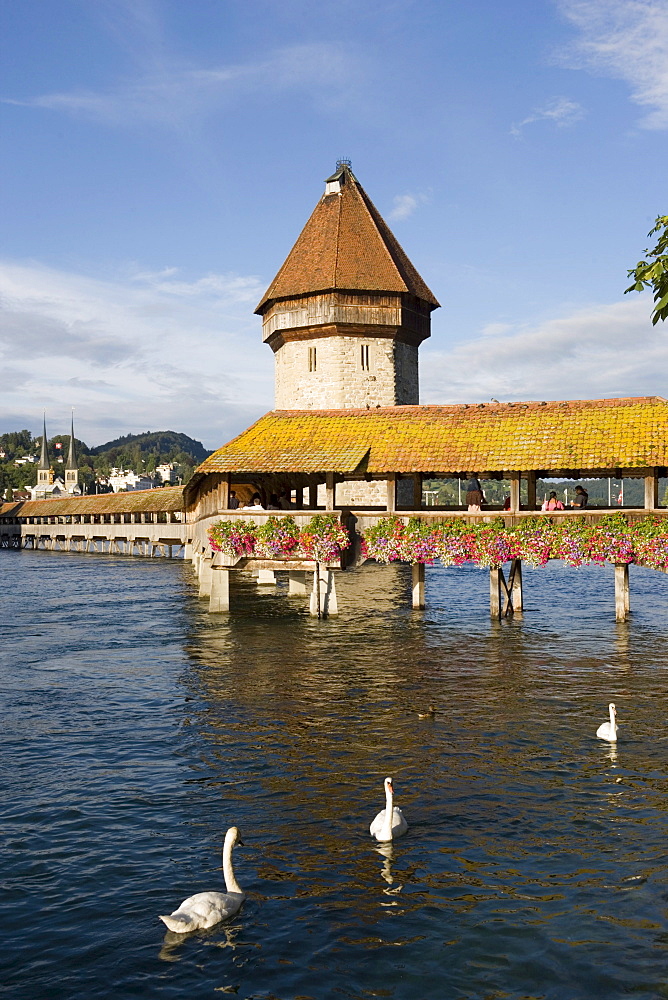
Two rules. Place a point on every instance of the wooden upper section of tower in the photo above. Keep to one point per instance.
(347, 246)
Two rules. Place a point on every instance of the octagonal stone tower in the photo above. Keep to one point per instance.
(347, 311)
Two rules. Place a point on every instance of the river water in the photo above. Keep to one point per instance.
(137, 728)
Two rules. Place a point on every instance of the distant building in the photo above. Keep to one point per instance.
(122, 480)
(167, 473)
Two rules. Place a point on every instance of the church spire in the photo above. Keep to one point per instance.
(44, 457)
(72, 457)
(72, 468)
(44, 477)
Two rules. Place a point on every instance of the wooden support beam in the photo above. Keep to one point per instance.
(514, 491)
(330, 488)
(418, 585)
(224, 492)
(531, 490)
(391, 491)
(622, 592)
(417, 491)
(495, 592)
(515, 584)
(652, 491)
(313, 497)
(505, 596)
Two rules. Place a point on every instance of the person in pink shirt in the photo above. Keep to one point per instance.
(552, 503)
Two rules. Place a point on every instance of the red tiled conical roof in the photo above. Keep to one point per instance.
(347, 245)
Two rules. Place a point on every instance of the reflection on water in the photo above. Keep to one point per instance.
(138, 728)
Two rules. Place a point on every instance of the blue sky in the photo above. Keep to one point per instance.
(159, 158)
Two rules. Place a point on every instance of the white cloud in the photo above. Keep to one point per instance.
(561, 111)
(626, 39)
(405, 204)
(171, 95)
(494, 329)
(599, 351)
(140, 351)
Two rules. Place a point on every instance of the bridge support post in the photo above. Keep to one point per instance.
(266, 577)
(495, 591)
(622, 592)
(296, 583)
(323, 596)
(516, 591)
(205, 572)
(505, 596)
(187, 551)
(219, 599)
(418, 575)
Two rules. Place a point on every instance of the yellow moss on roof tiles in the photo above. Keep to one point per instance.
(629, 433)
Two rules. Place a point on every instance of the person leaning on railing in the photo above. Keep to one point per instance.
(474, 495)
(581, 498)
(552, 503)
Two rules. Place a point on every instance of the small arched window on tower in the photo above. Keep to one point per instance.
(365, 357)
(312, 359)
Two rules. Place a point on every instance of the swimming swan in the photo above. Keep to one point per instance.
(389, 822)
(608, 730)
(205, 909)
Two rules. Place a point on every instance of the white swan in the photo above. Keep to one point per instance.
(608, 730)
(205, 909)
(389, 822)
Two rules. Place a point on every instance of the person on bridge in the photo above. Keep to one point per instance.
(581, 498)
(474, 494)
(255, 503)
(552, 503)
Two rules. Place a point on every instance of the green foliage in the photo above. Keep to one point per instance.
(16, 443)
(161, 444)
(653, 271)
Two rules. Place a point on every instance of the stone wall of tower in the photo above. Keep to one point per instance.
(339, 372)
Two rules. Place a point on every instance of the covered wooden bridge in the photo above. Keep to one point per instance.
(142, 522)
(326, 459)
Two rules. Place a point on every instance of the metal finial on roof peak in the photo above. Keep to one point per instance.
(344, 163)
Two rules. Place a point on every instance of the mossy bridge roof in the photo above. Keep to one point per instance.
(572, 434)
